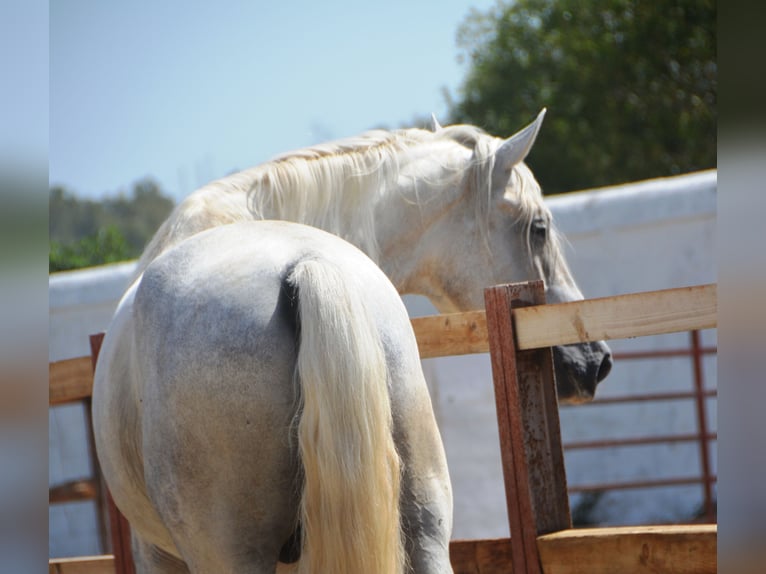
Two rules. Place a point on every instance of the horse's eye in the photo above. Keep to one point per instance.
(539, 230)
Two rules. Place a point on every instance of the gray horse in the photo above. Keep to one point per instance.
(443, 213)
(271, 406)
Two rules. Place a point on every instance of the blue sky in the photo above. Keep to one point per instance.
(186, 92)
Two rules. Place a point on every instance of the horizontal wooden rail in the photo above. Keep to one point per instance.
(620, 316)
(73, 491)
(680, 549)
(82, 565)
(629, 550)
(451, 334)
(617, 317)
(70, 380)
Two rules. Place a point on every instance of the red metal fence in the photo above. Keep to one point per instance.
(703, 436)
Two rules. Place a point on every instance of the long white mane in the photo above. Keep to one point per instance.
(336, 186)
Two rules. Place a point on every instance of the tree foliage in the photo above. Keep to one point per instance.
(107, 245)
(84, 233)
(630, 85)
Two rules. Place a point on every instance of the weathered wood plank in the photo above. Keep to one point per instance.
(619, 317)
(481, 556)
(69, 380)
(523, 388)
(629, 550)
(82, 565)
(539, 411)
(73, 491)
(451, 334)
(683, 549)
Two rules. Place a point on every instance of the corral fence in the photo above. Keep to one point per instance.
(703, 435)
(517, 329)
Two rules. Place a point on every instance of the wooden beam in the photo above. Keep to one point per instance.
(102, 512)
(69, 380)
(451, 334)
(510, 428)
(82, 565)
(683, 549)
(619, 317)
(73, 491)
(481, 556)
(629, 550)
(528, 425)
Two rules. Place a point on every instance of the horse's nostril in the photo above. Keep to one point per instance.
(605, 368)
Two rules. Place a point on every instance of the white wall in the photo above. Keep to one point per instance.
(639, 237)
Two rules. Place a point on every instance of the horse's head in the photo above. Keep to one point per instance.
(513, 239)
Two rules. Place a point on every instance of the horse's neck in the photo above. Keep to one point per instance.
(372, 210)
(429, 187)
(386, 217)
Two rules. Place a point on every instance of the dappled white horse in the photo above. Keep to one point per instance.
(271, 404)
(444, 213)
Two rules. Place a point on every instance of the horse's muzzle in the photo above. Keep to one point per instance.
(579, 369)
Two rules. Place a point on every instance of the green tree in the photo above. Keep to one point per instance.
(107, 245)
(630, 85)
(84, 233)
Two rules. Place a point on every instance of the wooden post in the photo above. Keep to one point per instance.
(119, 525)
(528, 423)
(98, 481)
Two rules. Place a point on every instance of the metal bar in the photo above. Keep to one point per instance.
(699, 386)
(644, 398)
(681, 481)
(663, 353)
(637, 441)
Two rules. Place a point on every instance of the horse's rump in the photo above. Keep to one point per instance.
(242, 353)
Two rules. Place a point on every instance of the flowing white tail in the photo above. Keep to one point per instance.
(350, 503)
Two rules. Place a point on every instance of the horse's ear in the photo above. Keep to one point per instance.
(435, 125)
(515, 148)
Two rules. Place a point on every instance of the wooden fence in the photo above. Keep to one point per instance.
(518, 331)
